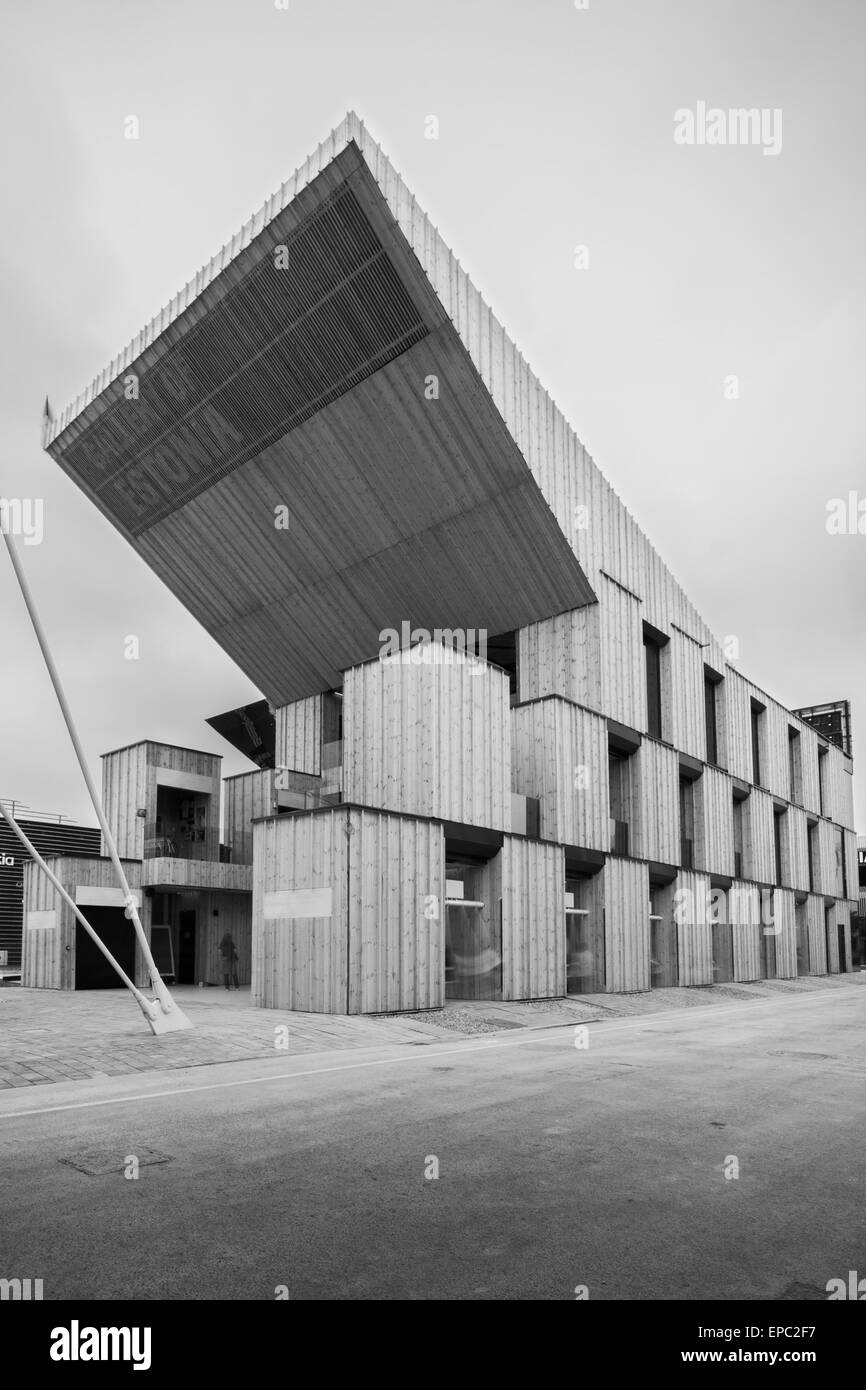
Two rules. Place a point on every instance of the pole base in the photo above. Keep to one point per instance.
(172, 1022)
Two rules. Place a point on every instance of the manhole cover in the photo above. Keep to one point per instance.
(95, 1162)
(802, 1293)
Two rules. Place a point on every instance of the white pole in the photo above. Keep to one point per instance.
(171, 1017)
(147, 1008)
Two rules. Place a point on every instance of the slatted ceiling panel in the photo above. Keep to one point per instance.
(550, 741)
(299, 735)
(562, 656)
(759, 845)
(745, 929)
(695, 932)
(533, 919)
(785, 924)
(623, 681)
(279, 347)
(687, 688)
(655, 803)
(627, 926)
(817, 936)
(795, 850)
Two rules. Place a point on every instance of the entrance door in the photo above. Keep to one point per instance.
(843, 960)
(92, 970)
(186, 947)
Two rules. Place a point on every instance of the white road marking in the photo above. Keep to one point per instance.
(613, 1026)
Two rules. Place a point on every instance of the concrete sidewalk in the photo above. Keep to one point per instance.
(48, 1036)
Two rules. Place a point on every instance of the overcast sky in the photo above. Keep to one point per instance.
(556, 130)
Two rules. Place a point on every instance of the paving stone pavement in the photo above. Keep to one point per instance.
(48, 1035)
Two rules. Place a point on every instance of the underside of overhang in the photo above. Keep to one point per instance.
(307, 455)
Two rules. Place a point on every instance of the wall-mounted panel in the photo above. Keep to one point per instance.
(795, 851)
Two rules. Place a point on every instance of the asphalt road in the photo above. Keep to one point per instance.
(558, 1167)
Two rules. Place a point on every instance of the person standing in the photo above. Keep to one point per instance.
(229, 957)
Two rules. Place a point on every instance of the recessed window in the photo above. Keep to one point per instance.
(687, 823)
(653, 660)
(795, 767)
(758, 714)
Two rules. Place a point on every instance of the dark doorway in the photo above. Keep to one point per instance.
(92, 970)
(843, 959)
(186, 947)
(768, 954)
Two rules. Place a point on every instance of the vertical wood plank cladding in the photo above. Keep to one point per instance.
(623, 682)
(785, 925)
(124, 790)
(247, 797)
(45, 961)
(656, 802)
(627, 934)
(851, 866)
(397, 896)
(382, 948)
(533, 919)
(841, 788)
(694, 929)
(43, 949)
(562, 656)
(299, 735)
(738, 733)
(776, 775)
(825, 868)
(809, 766)
(795, 851)
(428, 732)
(235, 915)
(817, 937)
(301, 963)
(759, 854)
(714, 823)
(687, 688)
(831, 937)
(559, 755)
(745, 929)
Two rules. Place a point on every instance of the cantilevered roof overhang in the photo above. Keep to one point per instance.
(317, 379)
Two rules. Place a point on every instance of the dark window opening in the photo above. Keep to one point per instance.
(757, 722)
(652, 646)
(711, 689)
(777, 846)
(795, 770)
(620, 800)
(687, 823)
